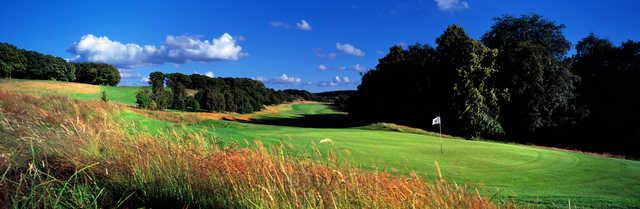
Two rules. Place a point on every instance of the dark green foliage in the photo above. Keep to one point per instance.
(532, 72)
(11, 60)
(468, 65)
(607, 105)
(97, 73)
(104, 97)
(19, 63)
(403, 88)
(415, 85)
(46, 67)
(178, 83)
(300, 94)
(240, 95)
(156, 79)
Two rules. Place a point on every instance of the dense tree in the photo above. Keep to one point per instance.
(212, 94)
(467, 67)
(401, 88)
(532, 71)
(46, 67)
(609, 77)
(18, 63)
(11, 60)
(97, 73)
(178, 84)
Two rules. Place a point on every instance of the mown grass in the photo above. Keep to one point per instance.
(60, 153)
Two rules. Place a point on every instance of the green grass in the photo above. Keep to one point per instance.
(121, 94)
(527, 175)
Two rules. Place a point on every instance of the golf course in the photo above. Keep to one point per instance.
(528, 176)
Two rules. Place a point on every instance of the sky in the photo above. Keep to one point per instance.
(311, 45)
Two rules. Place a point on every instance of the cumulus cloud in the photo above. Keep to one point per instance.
(451, 5)
(282, 79)
(303, 25)
(210, 74)
(349, 49)
(175, 49)
(322, 67)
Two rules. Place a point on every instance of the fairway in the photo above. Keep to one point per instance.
(529, 176)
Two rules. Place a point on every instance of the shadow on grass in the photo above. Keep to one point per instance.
(313, 121)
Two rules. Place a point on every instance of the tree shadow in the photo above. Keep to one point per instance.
(313, 121)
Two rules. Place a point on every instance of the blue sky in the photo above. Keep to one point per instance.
(313, 45)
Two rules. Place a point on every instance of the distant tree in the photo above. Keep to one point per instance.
(97, 73)
(468, 67)
(144, 99)
(178, 83)
(156, 79)
(532, 71)
(11, 60)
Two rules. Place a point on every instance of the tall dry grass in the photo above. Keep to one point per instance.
(60, 153)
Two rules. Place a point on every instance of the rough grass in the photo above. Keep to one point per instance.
(60, 153)
(47, 87)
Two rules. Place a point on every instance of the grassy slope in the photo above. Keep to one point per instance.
(122, 94)
(547, 178)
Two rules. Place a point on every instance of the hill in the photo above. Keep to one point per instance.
(529, 176)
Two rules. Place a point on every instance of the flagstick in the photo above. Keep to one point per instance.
(440, 125)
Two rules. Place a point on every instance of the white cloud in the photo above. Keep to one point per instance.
(303, 25)
(175, 49)
(343, 79)
(359, 68)
(337, 80)
(324, 55)
(349, 49)
(282, 79)
(322, 67)
(451, 5)
(210, 74)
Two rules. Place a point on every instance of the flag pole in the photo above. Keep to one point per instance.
(440, 125)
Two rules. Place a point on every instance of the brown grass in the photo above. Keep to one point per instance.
(48, 87)
(153, 172)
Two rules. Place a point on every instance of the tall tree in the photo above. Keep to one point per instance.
(467, 67)
(532, 70)
(609, 76)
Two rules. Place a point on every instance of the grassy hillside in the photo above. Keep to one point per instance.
(531, 176)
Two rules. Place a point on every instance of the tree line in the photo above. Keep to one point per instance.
(197, 92)
(517, 82)
(25, 64)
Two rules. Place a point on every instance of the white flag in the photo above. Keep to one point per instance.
(435, 121)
